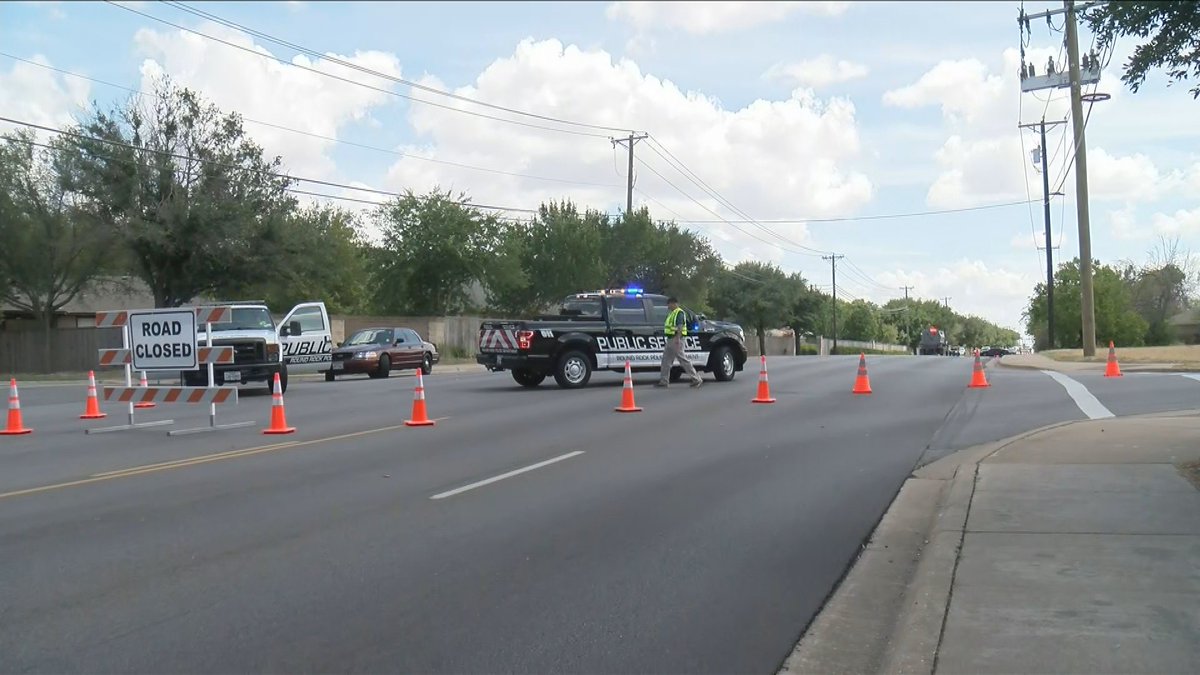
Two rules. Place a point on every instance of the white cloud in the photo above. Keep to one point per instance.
(1122, 223)
(981, 159)
(32, 94)
(965, 90)
(1125, 224)
(264, 89)
(985, 159)
(1133, 178)
(821, 71)
(1183, 221)
(704, 18)
(995, 293)
(770, 158)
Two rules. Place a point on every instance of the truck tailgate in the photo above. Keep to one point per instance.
(499, 337)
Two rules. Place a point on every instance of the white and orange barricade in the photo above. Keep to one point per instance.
(164, 340)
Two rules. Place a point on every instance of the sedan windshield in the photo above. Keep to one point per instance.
(247, 318)
(370, 336)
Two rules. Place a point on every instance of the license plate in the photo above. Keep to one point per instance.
(233, 376)
(338, 365)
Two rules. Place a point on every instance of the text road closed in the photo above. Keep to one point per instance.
(163, 340)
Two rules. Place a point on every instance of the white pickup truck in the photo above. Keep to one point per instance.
(302, 343)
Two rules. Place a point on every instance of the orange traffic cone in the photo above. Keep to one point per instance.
(278, 415)
(419, 417)
(1113, 369)
(627, 404)
(978, 378)
(862, 383)
(15, 427)
(144, 385)
(92, 411)
(764, 388)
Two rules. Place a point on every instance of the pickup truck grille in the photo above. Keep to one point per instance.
(245, 351)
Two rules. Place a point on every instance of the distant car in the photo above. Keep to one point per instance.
(376, 352)
(995, 351)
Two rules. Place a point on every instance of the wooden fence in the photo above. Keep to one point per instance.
(64, 350)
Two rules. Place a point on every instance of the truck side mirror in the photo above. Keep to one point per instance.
(294, 328)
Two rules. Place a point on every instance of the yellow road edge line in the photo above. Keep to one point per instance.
(203, 459)
(185, 460)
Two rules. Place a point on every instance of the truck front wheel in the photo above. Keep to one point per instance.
(724, 367)
(574, 369)
(283, 380)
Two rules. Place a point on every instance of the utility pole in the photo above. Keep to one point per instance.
(633, 138)
(1087, 303)
(907, 314)
(946, 301)
(1074, 78)
(833, 258)
(1041, 126)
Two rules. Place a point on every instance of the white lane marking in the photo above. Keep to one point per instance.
(510, 474)
(1088, 404)
(1192, 376)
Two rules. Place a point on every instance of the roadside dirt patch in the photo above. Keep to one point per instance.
(1181, 355)
(1191, 471)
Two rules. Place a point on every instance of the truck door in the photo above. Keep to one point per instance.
(310, 350)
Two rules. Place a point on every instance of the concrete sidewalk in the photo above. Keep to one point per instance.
(1073, 549)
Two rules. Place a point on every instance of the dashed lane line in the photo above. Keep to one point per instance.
(503, 476)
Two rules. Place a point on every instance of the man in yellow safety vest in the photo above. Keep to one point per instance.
(675, 328)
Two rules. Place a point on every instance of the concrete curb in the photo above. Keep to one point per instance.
(887, 614)
(1099, 367)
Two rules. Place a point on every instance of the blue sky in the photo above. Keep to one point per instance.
(788, 110)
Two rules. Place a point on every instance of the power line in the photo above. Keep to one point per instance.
(415, 85)
(870, 279)
(235, 167)
(880, 216)
(701, 205)
(310, 134)
(682, 168)
(354, 82)
(678, 164)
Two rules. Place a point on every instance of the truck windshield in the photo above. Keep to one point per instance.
(247, 318)
(585, 307)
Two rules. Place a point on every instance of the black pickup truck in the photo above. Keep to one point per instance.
(601, 330)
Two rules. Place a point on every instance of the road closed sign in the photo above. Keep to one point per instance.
(163, 340)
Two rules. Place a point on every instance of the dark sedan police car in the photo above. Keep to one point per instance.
(376, 352)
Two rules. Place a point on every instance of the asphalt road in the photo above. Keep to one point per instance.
(701, 535)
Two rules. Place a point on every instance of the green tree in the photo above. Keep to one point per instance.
(633, 251)
(53, 245)
(1162, 288)
(187, 192)
(1116, 319)
(806, 316)
(321, 257)
(861, 322)
(687, 265)
(757, 295)
(558, 252)
(1167, 30)
(435, 247)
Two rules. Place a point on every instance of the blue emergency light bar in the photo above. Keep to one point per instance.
(634, 291)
